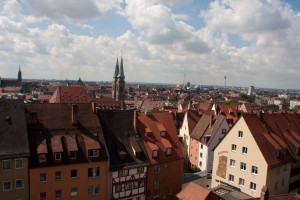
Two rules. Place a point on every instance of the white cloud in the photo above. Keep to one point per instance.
(68, 9)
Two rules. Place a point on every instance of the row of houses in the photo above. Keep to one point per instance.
(77, 151)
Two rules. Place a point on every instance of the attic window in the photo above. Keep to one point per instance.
(57, 156)
(169, 151)
(149, 134)
(72, 155)
(154, 154)
(163, 133)
(93, 153)
(284, 151)
(42, 158)
(277, 153)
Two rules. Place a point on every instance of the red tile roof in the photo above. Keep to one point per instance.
(56, 144)
(193, 118)
(70, 94)
(151, 121)
(195, 192)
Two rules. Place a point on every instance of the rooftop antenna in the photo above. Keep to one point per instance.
(225, 81)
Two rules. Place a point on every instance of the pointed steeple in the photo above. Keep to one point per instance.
(121, 72)
(19, 74)
(117, 69)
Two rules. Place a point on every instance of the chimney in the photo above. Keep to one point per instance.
(260, 115)
(211, 120)
(94, 107)
(264, 195)
(74, 114)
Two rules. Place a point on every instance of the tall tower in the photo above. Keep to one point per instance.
(120, 83)
(114, 85)
(19, 75)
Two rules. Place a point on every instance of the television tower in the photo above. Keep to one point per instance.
(225, 81)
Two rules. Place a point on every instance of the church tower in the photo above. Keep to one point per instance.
(19, 75)
(120, 83)
(114, 85)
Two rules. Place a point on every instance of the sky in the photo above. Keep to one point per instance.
(253, 42)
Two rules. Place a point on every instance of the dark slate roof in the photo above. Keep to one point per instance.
(13, 131)
(53, 122)
(120, 138)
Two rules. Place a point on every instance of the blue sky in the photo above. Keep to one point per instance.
(251, 42)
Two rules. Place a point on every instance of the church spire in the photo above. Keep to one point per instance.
(117, 68)
(20, 74)
(121, 72)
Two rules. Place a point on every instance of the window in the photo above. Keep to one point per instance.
(201, 155)
(57, 176)
(74, 192)
(241, 182)
(245, 150)
(157, 169)
(163, 133)
(57, 156)
(200, 163)
(169, 151)
(94, 172)
(135, 184)
(224, 131)
(74, 173)
(43, 177)
(201, 146)
(43, 196)
(252, 186)
(42, 158)
(118, 188)
(284, 167)
(240, 134)
(141, 183)
(154, 154)
(58, 194)
(282, 182)
(93, 153)
(254, 170)
(140, 170)
(156, 184)
(127, 186)
(123, 172)
(232, 163)
(6, 186)
(19, 163)
(5, 165)
(231, 178)
(233, 147)
(19, 184)
(94, 190)
(243, 166)
(72, 155)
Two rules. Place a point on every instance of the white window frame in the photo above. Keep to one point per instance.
(74, 192)
(243, 166)
(233, 147)
(156, 184)
(241, 182)
(57, 156)
(6, 190)
(76, 173)
(95, 153)
(232, 163)
(252, 186)
(156, 169)
(254, 170)
(231, 178)
(169, 151)
(245, 150)
(43, 181)
(42, 158)
(240, 134)
(19, 159)
(162, 133)
(58, 197)
(94, 172)
(58, 178)
(154, 154)
(18, 188)
(92, 190)
(71, 156)
(4, 161)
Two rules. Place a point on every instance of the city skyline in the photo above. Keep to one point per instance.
(250, 42)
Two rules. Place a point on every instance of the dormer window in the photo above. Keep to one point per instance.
(72, 155)
(284, 151)
(277, 153)
(42, 158)
(154, 154)
(169, 151)
(57, 156)
(163, 133)
(94, 153)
